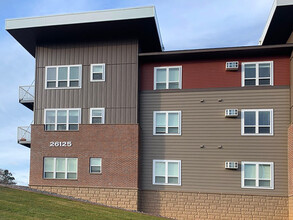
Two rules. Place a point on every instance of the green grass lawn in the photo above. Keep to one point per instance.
(18, 204)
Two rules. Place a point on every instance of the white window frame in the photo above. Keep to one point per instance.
(68, 76)
(103, 115)
(54, 168)
(167, 116)
(103, 73)
(91, 165)
(166, 172)
(257, 175)
(257, 73)
(257, 122)
(67, 124)
(167, 76)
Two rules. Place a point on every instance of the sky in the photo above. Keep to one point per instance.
(184, 24)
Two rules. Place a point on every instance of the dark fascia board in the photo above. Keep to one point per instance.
(131, 23)
(246, 51)
(279, 25)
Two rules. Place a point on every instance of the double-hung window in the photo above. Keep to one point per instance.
(257, 175)
(167, 123)
(97, 116)
(167, 172)
(60, 168)
(257, 121)
(95, 165)
(168, 77)
(257, 73)
(98, 72)
(62, 119)
(63, 76)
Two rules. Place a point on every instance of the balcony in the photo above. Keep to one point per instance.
(24, 136)
(27, 96)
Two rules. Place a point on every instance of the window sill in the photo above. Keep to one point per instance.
(61, 179)
(95, 173)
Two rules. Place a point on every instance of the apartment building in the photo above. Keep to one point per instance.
(191, 134)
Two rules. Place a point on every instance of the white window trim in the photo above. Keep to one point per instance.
(68, 76)
(167, 76)
(166, 172)
(257, 73)
(257, 175)
(167, 114)
(91, 165)
(103, 114)
(67, 124)
(54, 168)
(103, 74)
(257, 122)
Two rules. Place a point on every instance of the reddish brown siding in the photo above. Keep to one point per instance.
(212, 73)
(117, 145)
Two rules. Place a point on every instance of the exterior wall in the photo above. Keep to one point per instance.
(118, 94)
(117, 145)
(290, 39)
(122, 198)
(212, 73)
(204, 123)
(186, 205)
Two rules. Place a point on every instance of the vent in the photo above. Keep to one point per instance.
(231, 165)
(231, 113)
(232, 65)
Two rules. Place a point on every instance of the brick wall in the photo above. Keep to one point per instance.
(117, 145)
(184, 205)
(121, 198)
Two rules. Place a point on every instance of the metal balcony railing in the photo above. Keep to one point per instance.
(27, 95)
(24, 135)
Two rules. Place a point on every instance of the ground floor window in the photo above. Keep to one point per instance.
(95, 165)
(257, 175)
(167, 172)
(60, 168)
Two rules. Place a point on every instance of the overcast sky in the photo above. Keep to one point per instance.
(184, 24)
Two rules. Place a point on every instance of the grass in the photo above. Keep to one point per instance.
(18, 204)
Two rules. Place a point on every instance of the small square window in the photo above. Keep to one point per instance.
(97, 115)
(95, 165)
(98, 72)
(167, 172)
(167, 123)
(167, 77)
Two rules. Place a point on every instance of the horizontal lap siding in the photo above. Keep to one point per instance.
(204, 123)
(118, 94)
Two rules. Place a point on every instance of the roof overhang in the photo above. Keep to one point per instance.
(279, 25)
(134, 23)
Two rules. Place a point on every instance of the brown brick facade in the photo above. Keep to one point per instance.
(185, 205)
(117, 145)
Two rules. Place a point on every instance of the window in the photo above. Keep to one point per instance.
(63, 77)
(167, 172)
(257, 175)
(97, 72)
(97, 116)
(257, 121)
(60, 168)
(95, 165)
(257, 74)
(62, 119)
(167, 123)
(167, 77)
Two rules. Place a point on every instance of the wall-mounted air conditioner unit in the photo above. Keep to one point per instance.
(231, 113)
(232, 65)
(231, 165)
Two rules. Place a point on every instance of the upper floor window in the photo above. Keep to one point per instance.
(97, 72)
(60, 168)
(62, 119)
(257, 121)
(167, 172)
(97, 116)
(257, 175)
(63, 76)
(167, 123)
(257, 73)
(167, 77)
(95, 165)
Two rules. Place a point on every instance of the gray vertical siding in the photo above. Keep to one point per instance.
(118, 94)
(204, 123)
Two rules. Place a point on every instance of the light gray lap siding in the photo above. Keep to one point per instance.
(204, 123)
